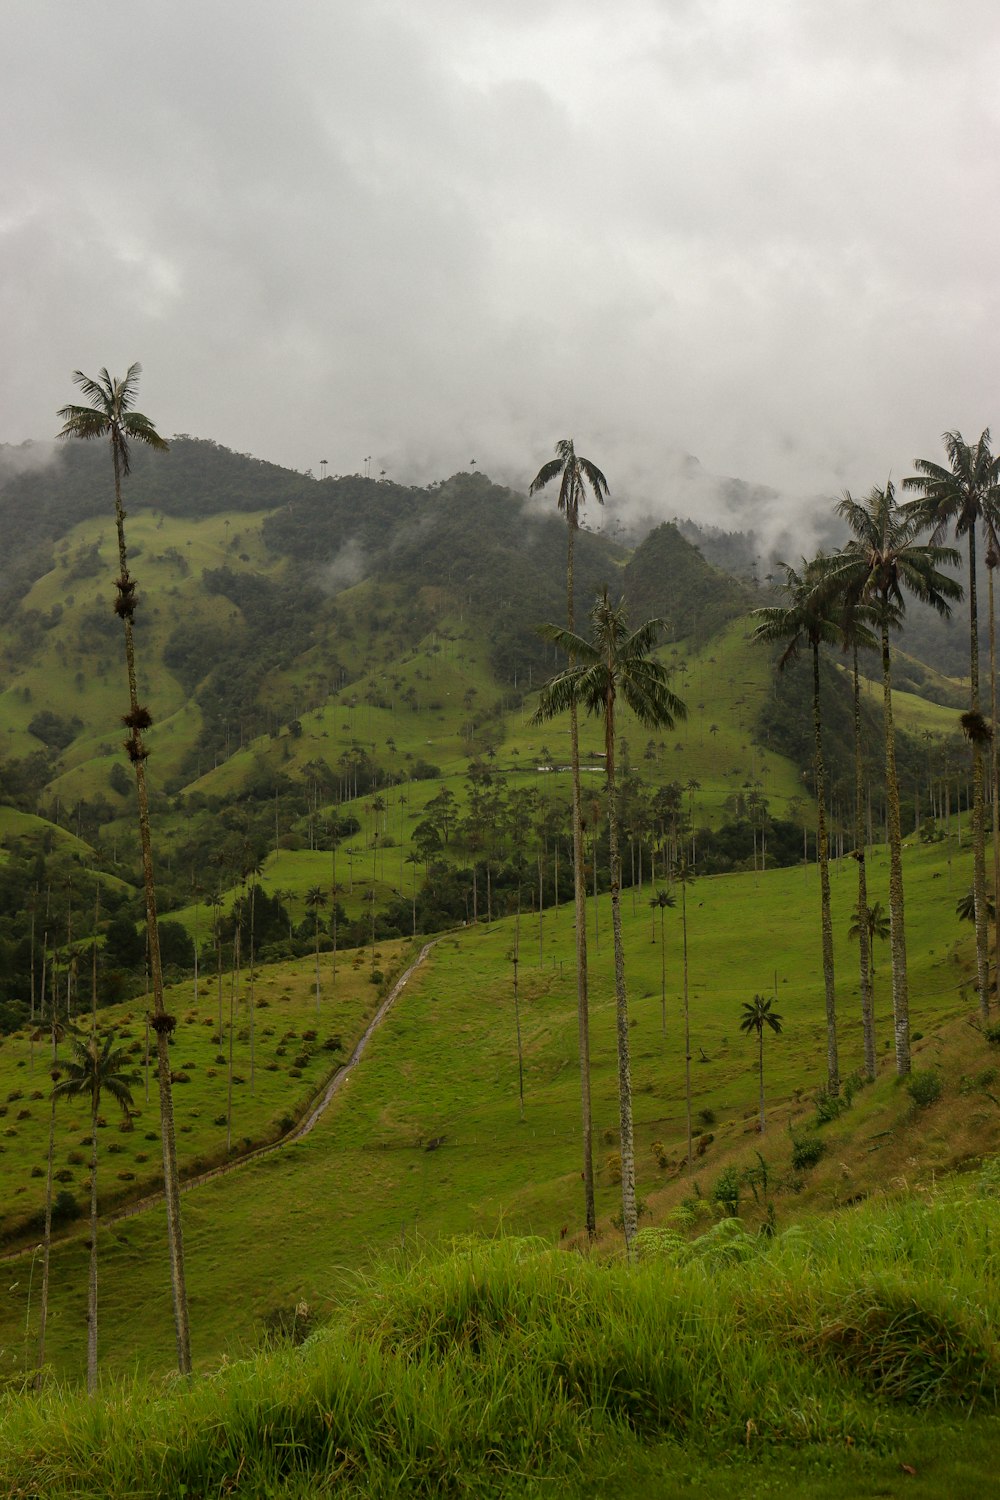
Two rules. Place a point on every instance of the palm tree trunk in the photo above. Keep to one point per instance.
(663, 976)
(687, 1023)
(580, 907)
(760, 1062)
(92, 1277)
(826, 922)
(994, 778)
(867, 992)
(46, 1238)
(978, 802)
(627, 1143)
(253, 891)
(897, 929)
(163, 1024)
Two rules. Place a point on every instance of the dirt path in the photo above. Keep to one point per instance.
(298, 1132)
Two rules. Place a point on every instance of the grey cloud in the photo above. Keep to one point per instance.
(430, 232)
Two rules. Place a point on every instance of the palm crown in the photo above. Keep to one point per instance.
(576, 473)
(110, 414)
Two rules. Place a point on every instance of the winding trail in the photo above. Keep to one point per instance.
(298, 1132)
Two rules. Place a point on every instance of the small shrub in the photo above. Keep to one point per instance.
(23, 1114)
(726, 1192)
(63, 1175)
(924, 1088)
(613, 1166)
(75, 1158)
(992, 1035)
(806, 1152)
(37, 1172)
(302, 1061)
(180, 1077)
(332, 1044)
(706, 1116)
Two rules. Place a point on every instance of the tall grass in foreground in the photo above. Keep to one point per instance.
(506, 1362)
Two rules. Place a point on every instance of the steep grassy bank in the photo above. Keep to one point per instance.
(844, 1359)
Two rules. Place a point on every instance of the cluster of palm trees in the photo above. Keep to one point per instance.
(854, 599)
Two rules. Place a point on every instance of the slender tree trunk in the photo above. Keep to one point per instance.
(47, 1234)
(627, 1143)
(978, 802)
(897, 928)
(253, 892)
(663, 975)
(867, 991)
(687, 1024)
(994, 779)
(760, 1061)
(580, 907)
(826, 922)
(517, 1008)
(163, 1024)
(92, 1277)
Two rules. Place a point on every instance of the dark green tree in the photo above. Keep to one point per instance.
(111, 415)
(963, 495)
(615, 664)
(576, 475)
(95, 1071)
(809, 618)
(661, 901)
(880, 565)
(757, 1014)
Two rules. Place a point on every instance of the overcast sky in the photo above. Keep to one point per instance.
(763, 232)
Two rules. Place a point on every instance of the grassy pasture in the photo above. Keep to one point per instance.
(292, 1060)
(444, 1069)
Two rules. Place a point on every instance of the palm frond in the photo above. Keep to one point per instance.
(83, 422)
(546, 473)
(595, 479)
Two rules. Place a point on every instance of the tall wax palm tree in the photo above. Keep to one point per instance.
(882, 562)
(875, 924)
(757, 1014)
(111, 415)
(576, 475)
(961, 496)
(662, 900)
(855, 619)
(615, 664)
(315, 899)
(809, 618)
(95, 1071)
(683, 876)
(55, 1074)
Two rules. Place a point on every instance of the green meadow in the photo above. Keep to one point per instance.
(426, 1140)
